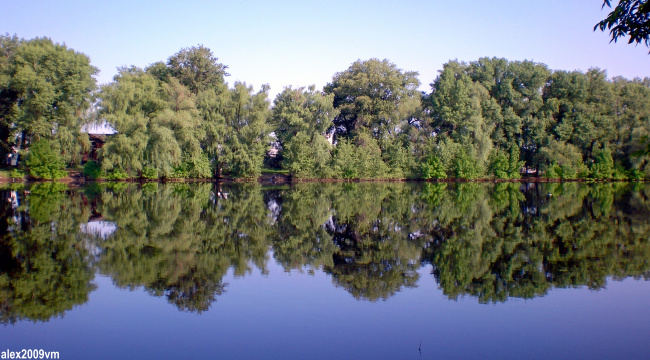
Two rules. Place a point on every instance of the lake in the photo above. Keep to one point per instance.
(322, 271)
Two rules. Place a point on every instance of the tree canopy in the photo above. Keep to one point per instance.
(179, 118)
(45, 89)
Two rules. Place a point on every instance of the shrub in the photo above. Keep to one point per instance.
(150, 173)
(117, 174)
(93, 170)
(43, 162)
(16, 174)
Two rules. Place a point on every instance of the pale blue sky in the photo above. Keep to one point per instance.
(305, 42)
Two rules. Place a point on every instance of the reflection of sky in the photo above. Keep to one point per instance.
(97, 229)
(294, 315)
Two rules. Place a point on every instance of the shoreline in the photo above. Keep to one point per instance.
(77, 179)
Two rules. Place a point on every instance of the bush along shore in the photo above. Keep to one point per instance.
(490, 119)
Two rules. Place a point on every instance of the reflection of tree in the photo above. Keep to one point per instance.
(522, 244)
(493, 241)
(301, 238)
(370, 268)
(180, 240)
(358, 233)
(375, 256)
(44, 269)
(490, 241)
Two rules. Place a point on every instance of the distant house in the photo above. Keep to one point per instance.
(97, 134)
(13, 157)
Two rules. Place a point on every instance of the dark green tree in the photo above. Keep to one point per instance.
(629, 18)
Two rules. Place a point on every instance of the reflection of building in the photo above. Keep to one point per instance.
(99, 228)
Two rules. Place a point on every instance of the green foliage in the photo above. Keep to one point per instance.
(646, 147)
(433, 168)
(344, 160)
(629, 18)
(16, 174)
(507, 166)
(298, 156)
(93, 170)
(302, 110)
(197, 69)
(45, 89)
(603, 166)
(199, 166)
(361, 159)
(117, 174)
(566, 160)
(150, 173)
(400, 161)
(180, 118)
(375, 97)
(635, 174)
(500, 167)
(466, 166)
(43, 162)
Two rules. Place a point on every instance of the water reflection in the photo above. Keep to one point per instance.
(178, 241)
(45, 267)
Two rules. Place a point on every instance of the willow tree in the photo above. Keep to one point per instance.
(196, 75)
(129, 104)
(247, 138)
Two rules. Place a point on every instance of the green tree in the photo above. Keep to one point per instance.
(507, 165)
(211, 104)
(129, 104)
(300, 119)
(629, 18)
(246, 115)
(159, 127)
(197, 69)
(344, 160)
(8, 96)
(456, 115)
(603, 166)
(301, 109)
(45, 89)
(307, 156)
(376, 96)
(432, 168)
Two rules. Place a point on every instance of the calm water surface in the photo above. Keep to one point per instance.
(392, 271)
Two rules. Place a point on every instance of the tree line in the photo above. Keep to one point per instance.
(178, 241)
(490, 118)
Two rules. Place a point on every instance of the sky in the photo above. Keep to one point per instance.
(299, 43)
